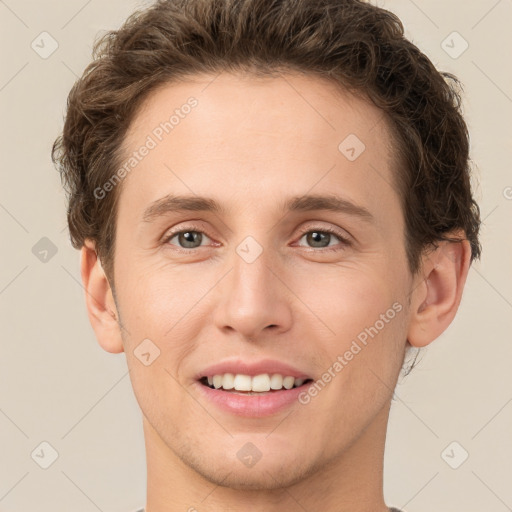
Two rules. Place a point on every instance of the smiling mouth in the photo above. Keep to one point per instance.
(247, 385)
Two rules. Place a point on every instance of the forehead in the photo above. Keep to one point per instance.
(264, 135)
(259, 104)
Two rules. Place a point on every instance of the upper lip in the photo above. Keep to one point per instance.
(269, 366)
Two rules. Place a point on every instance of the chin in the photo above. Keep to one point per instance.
(273, 473)
(265, 479)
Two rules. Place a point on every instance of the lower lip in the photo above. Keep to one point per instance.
(252, 405)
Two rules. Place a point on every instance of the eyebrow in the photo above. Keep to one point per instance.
(329, 202)
(304, 203)
(171, 203)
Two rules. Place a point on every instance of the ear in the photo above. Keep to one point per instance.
(437, 292)
(99, 299)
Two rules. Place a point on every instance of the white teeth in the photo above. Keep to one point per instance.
(276, 381)
(217, 381)
(288, 382)
(259, 383)
(228, 381)
(242, 382)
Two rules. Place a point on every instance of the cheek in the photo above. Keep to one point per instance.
(365, 313)
(157, 297)
(161, 305)
(361, 351)
(348, 299)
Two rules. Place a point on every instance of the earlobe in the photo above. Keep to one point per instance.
(101, 307)
(438, 291)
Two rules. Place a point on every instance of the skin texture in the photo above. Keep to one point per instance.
(250, 144)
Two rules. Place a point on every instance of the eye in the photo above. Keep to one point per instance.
(192, 238)
(187, 238)
(321, 238)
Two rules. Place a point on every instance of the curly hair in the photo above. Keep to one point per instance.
(352, 43)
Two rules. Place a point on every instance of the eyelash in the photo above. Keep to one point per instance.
(344, 241)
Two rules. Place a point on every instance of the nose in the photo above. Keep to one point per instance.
(253, 299)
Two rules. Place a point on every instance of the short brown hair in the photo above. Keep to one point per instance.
(350, 42)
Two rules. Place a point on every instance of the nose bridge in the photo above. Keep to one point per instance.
(252, 297)
(251, 269)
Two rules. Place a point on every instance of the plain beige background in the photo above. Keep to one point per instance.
(59, 388)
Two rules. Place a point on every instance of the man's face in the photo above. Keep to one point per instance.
(256, 281)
